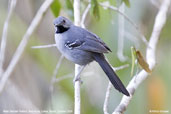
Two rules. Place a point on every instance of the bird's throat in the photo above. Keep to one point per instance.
(61, 29)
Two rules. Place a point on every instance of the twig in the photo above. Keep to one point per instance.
(128, 19)
(121, 32)
(160, 21)
(55, 72)
(120, 67)
(106, 101)
(23, 43)
(44, 46)
(63, 78)
(85, 14)
(85, 74)
(77, 95)
(11, 6)
(53, 80)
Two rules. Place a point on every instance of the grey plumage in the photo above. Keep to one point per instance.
(82, 47)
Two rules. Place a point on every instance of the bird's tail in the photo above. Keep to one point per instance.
(110, 73)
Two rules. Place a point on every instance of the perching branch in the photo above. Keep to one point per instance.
(77, 84)
(12, 4)
(127, 18)
(34, 24)
(160, 21)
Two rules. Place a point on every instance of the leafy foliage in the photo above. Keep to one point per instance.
(69, 4)
(142, 62)
(69, 8)
(95, 9)
(136, 54)
(126, 2)
(55, 7)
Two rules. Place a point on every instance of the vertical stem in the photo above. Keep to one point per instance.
(11, 7)
(77, 107)
(106, 102)
(77, 96)
(121, 32)
(77, 17)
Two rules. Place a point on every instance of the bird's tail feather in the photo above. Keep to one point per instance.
(110, 73)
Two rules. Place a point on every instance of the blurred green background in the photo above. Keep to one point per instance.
(28, 87)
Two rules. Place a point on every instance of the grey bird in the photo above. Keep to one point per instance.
(82, 47)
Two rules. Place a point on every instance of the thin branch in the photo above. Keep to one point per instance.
(53, 79)
(77, 84)
(128, 19)
(44, 46)
(11, 6)
(36, 21)
(106, 101)
(85, 74)
(120, 67)
(160, 21)
(63, 77)
(121, 32)
(85, 14)
(55, 72)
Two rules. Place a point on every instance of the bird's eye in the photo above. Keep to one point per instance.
(63, 21)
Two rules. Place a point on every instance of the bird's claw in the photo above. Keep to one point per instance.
(77, 79)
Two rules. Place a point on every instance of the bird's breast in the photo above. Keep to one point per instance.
(75, 55)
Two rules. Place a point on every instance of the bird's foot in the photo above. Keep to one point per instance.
(77, 79)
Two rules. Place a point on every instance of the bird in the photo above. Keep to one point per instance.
(81, 47)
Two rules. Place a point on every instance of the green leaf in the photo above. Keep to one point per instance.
(133, 54)
(142, 62)
(95, 9)
(69, 4)
(55, 8)
(136, 54)
(126, 2)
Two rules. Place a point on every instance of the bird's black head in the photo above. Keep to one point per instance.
(62, 24)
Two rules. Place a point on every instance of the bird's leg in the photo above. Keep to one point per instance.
(77, 77)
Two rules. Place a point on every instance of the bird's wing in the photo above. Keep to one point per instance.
(87, 41)
(92, 36)
(74, 44)
(93, 46)
(89, 44)
(93, 43)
